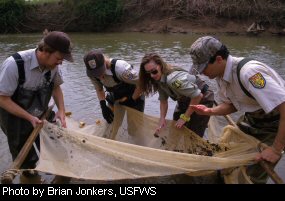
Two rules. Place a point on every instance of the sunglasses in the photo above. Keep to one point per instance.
(154, 72)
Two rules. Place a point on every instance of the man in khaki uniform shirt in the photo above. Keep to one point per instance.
(248, 86)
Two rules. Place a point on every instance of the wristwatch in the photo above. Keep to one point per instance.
(186, 119)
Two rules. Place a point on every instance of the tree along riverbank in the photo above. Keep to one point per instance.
(158, 16)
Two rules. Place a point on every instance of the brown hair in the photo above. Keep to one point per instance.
(146, 83)
(43, 47)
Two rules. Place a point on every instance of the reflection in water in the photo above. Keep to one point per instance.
(80, 96)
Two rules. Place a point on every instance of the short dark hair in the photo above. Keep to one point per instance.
(223, 52)
(43, 47)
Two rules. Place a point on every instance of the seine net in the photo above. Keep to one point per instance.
(129, 149)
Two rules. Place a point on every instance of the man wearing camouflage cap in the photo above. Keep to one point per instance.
(248, 86)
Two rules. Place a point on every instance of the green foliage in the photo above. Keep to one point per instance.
(12, 12)
(100, 13)
(40, 1)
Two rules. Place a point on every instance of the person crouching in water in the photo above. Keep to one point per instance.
(158, 76)
(119, 79)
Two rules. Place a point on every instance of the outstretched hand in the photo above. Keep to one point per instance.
(201, 109)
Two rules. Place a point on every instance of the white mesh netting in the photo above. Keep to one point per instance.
(128, 149)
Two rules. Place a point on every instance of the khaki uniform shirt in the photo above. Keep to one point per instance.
(34, 77)
(124, 72)
(177, 84)
(265, 85)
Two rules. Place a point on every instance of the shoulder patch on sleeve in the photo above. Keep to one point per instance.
(177, 84)
(257, 81)
(127, 74)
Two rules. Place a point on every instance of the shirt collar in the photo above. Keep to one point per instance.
(163, 78)
(228, 70)
(109, 71)
(34, 60)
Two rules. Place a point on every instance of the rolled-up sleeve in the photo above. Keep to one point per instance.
(8, 77)
(162, 95)
(57, 79)
(126, 72)
(184, 84)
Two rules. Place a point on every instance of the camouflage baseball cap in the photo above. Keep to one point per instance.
(202, 50)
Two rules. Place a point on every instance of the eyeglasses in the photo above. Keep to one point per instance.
(154, 72)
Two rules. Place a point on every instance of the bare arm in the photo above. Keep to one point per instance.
(99, 89)
(163, 112)
(189, 111)
(58, 99)
(100, 94)
(10, 106)
(273, 153)
(163, 108)
(222, 109)
(279, 142)
(194, 101)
